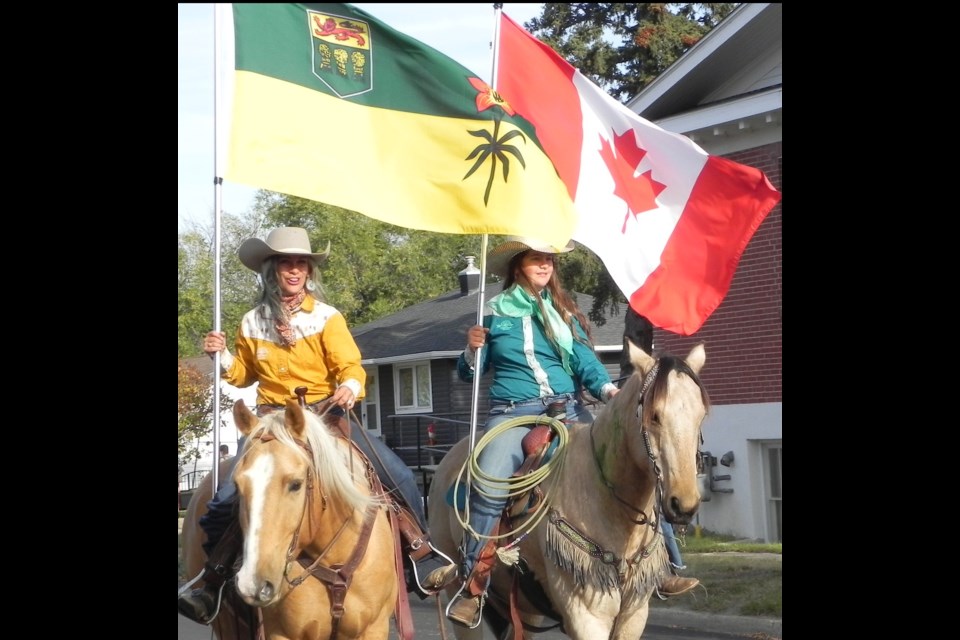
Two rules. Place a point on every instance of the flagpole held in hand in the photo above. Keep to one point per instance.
(475, 399)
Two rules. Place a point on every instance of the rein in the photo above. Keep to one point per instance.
(336, 577)
(648, 381)
(589, 546)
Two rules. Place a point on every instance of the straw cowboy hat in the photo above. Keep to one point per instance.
(291, 241)
(498, 260)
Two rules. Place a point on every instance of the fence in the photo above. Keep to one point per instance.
(423, 439)
(192, 479)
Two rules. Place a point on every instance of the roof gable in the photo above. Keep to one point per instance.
(725, 93)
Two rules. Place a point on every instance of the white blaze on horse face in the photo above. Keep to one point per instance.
(257, 477)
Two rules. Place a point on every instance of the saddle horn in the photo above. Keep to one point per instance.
(302, 395)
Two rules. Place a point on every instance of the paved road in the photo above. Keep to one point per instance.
(663, 624)
(426, 624)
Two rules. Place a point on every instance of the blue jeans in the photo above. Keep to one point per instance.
(220, 509)
(501, 457)
(395, 475)
(673, 551)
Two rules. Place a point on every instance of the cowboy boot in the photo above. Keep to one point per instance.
(466, 607)
(673, 585)
(202, 605)
(440, 577)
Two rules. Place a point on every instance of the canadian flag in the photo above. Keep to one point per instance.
(668, 220)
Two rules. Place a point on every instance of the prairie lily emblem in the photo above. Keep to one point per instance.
(494, 147)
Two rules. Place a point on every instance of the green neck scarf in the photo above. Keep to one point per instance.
(517, 302)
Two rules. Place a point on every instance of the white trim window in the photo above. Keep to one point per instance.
(370, 407)
(413, 392)
(773, 473)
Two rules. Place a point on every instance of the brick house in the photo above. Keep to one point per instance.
(726, 95)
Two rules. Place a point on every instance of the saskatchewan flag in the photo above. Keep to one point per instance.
(332, 105)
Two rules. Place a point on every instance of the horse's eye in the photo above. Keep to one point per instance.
(295, 485)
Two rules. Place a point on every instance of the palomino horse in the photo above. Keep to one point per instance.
(319, 559)
(591, 563)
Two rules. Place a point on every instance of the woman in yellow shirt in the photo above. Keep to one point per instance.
(291, 339)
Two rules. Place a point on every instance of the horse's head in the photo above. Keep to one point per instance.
(671, 403)
(289, 467)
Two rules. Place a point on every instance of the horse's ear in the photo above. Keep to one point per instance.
(244, 418)
(293, 418)
(697, 357)
(641, 360)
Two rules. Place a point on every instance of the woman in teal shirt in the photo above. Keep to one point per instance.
(537, 342)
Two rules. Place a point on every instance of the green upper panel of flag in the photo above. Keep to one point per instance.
(332, 105)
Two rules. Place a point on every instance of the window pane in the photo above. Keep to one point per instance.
(423, 386)
(773, 459)
(405, 377)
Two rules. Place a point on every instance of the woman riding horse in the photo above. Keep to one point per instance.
(291, 339)
(537, 341)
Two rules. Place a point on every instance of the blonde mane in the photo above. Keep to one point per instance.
(330, 460)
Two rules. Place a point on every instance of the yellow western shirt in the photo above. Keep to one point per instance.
(324, 357)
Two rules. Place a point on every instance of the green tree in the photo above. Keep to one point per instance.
(374, 268)
(623, 47)
(195, 410)
(195, 269)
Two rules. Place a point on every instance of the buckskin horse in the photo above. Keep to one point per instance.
(591, 562)
(319, 554)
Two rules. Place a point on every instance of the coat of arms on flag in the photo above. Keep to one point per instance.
(341, 53)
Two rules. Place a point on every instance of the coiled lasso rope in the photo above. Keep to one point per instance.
(514, 486)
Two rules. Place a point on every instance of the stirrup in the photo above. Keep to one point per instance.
(459, 596)
(182, 590)
(216, 609)
(444, 572)
(219, 598)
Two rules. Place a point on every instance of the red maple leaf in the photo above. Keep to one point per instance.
(639, 192)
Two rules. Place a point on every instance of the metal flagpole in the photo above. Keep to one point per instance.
(475, 401)
(217, 206)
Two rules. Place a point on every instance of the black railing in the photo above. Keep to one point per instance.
(410, 436)
(422, 440)
(192, 479)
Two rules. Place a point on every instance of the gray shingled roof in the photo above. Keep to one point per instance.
(439, 327)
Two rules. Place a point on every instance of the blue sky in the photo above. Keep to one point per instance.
(462, 31)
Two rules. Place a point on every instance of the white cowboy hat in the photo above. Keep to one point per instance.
(282, 241)
(498, 259)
